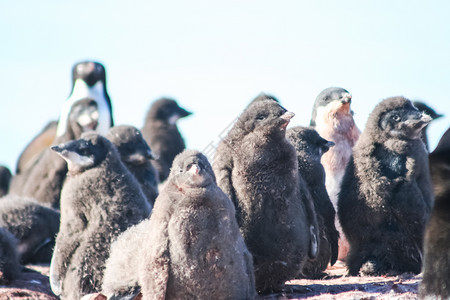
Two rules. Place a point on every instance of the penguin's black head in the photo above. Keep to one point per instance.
(426, 109)
(133, 149)
(90, 72)
(332, 98)
(85, 153)
(307, 140)
(191, 169)
(263, 96)
(84, 112)
(167, 110)
(398, 118)
(266, 118)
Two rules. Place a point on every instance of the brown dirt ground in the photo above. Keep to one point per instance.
(34, 284)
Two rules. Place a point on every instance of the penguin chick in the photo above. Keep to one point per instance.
(436, 260)
(5, 179)
(43, 181)
(34, 225)
(193, 248)
(88, 81)
(386, 193)
(257, 168)
(310, 147)
(162, 135)
(136, 155)
(100, 199)
(9, 262)
(332, 118)
(432, 113)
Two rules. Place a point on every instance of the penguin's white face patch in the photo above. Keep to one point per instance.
(75, 161)
(173, 119)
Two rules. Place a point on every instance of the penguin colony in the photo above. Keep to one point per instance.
(131, 213)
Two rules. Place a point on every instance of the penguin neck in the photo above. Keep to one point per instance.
(82, 90)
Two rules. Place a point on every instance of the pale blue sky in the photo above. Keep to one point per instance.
(215, 56)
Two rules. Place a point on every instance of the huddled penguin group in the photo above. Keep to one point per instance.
(129, 213)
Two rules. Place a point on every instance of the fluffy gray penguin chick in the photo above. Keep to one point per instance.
(100, 199)
(256, 166)
(192, 247)
(386, 193)
(136, 155)
(9, 260)
(310, 147)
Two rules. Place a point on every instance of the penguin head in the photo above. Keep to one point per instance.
(85, 153)
(398, 118)
(331, 101)
(167, 110)
(84, 113)
(265, 118)
(90, 72)
(428, 110)
(308, 141)
(191, 169)
(130, 143)
(263, 96)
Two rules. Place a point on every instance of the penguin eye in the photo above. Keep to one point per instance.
(260, 117)
(396, 118)
(180, 170)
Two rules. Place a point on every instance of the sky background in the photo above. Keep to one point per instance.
(213, 57)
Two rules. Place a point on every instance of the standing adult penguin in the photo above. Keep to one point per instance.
(436, 260)
(310, 147)
(44, 180)
(162, 135)
(191, 247)
(386, 193)
(136, 155)
(432, 113)
(5, 179)
(332, 118)
(88, 81)
(35, 226)
(257, 168)
(100, 199)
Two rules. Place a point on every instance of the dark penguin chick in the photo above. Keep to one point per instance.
(38, 144)
(386, 193)
(429, 111)
(162, 135)
(310, 147)
(88, 81)
(257, 168)
(332, 118)
(100, 199)
(136, 155)
(35, 226)
(192, 247)
(436, 260)
(9, 260)
(44, 180)
(5, 179)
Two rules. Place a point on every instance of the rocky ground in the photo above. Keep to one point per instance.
(34, 284)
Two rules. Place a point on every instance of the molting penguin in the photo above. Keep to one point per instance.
(89, 81)
(332, 118)
(136, 155)
(386, 193)
(310, 147)
(429, 111)
(100, 199)
(162, 135)
(257, 168)
(43, 181)
(436, 261)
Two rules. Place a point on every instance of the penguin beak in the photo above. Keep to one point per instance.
(346, 98)
(183, 113)
(419, 121)
(330, 144)
(287, 116)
